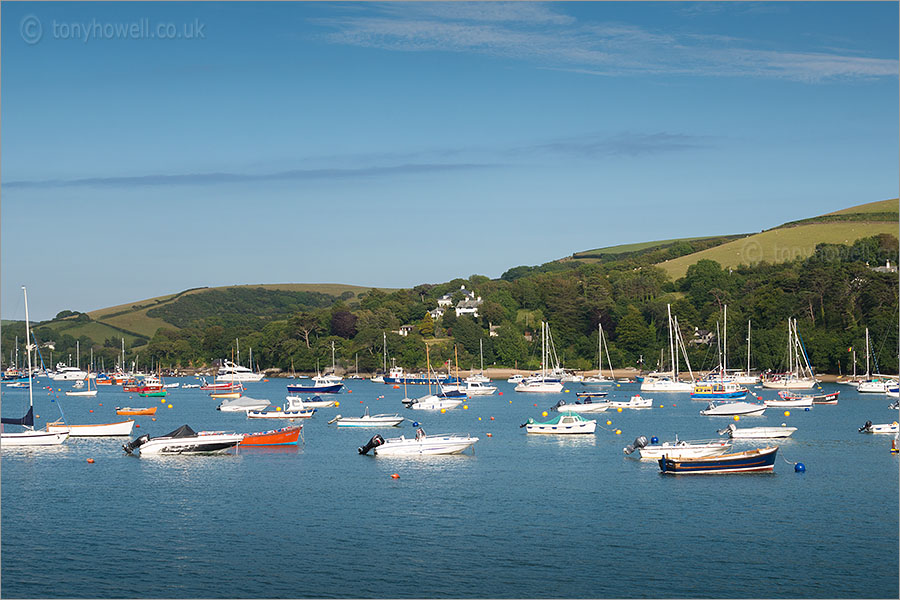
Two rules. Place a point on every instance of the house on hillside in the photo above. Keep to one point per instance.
(437, 313)
(702, 337)
(405, 330)
(887, 268)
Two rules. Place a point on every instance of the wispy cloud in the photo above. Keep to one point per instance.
(627, 143)
(229, 178)
(543, 35)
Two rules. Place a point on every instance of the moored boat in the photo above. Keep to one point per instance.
(281, 414)
(183, 440)
(829, 398)
(679, 449)
(749, 433)
(636, 401)
(127, 410)
(421, 444)
(565, 423)
(367, 420)
(286, 436)
(749, 461)
(730, 409)
(589, 404)
(93, 430)
(869, 427)
(242, 404)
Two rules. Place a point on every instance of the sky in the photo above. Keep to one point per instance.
(149, 148)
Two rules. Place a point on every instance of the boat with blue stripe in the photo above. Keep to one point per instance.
(750, 461)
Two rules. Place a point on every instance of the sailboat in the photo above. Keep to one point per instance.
(745, 377)
(719, 386)
(542, 384)
(671, 382)
(600, 379)
(379, 378)
(321, 384)
(873, 384)
(478, 377)
(79, 388)
(29, 437)
(799, 375)
(356, 374)
(439, 401)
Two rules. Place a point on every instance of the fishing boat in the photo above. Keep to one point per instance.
(183, 440)
(587, 405)
(286, 436)
(152, 393)
(421, 444)
(281, 414)
(242, 404)
(671, 382)
(747, 433)
(367, 420)
(829, 398)
(542, 384)
(127, 410)
(882, 428)
(93, 430)
(636, 401)
(749, 461)
(799, 375)
(787, 400)
(30, 436)
(298, 403)
(679, 449)
(731, 409)
(565, 423)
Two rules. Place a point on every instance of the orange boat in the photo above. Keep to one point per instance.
(276, 437)
(127, 410)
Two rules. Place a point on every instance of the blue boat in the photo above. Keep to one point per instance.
(750, 461)
(717, 390)
(316, 386)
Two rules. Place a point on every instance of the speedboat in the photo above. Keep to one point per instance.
(829, 398)
(434, 402)
(756, 460)
(746, 433)
(517, 378)
(882, 428)
(636, 401)
(298, 403)
(319, 385)
(539, 386)
(99, 429)
(244, 404)
(445, 443)
(679, 449)
(566, 423)
(281, 414)
(184, 440)
(730, 409)
(286, 436)
(587, 405)
(478, 388)
(367, 420)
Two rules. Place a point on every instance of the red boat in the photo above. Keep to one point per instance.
(276, 437)
(222, 387)
(831, 398)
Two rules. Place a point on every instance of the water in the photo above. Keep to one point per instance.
(525, 516)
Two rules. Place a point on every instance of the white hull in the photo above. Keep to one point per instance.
(591, 407)
(881, 428)
(280, 414)
(200, 444)
(370, 421)
(874, 387)
(790, 384)
(665, 385)
(565, 425)
(799, 403)
(634, 402)
(749, 433)
(434, 403)
(86, 393)
(242, 405)
(682, 450)
(731, 409)
(239, 378)
(429, 445)
(32, 438)
(103, 429)
(540, 387)
(74, 375)
(298, 403)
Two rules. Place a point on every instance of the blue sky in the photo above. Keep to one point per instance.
(393, 144)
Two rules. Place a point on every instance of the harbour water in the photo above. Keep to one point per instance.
(524, 516)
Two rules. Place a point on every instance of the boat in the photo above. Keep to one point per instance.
(220, 387)
(153, 393)
(94, 430)
(746, 377)
(477, 388)
(730, 409)
(421, 444)
(565, 423)
(799, 375)
(231, 372)
(636, 401)
(515, 378)
(670, 382)
(279, 413)
(231, 395)
(29, 436)
(600, 379)
(829, 398)
(747, 433)
(242, 404)
(541, 385)
(717, 390)
(319, 385)
(367, 420)
(873, 384)
(286, 436)
(679, 449)
(882, 428)
(588, 405)
(183, 440)
(787, 400)
(440, 401)
(64, 373)
(480, 376)
(190, 386)
(80, 391)
(171, 385)
(593, 395)
(127, 410)
(298, 403)
(749, 461)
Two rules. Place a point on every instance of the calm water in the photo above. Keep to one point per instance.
(525, 516)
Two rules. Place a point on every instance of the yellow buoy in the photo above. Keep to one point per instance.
(609, 422)
(443, 410)
(170, 406)
(277, 408)
(566, 391)
(737, 418)
(162, 401)
(544, 414)
(619, 409)
(465, 407)
(787, 413)
(337, 403)
(660, 405)
(479, 418)
(618, 431)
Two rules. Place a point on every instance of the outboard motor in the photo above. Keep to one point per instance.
(730, 427)
(866, 427)
(558, 404)
(639, 442)
(136, 443)
(376, 441)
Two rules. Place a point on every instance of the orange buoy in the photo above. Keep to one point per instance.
(137, 425)
(92, 410)
(395, 476)
(101, 404)
(501, 393)
(90, 461)
(349, 391)
(492, 418)
(152, 418)
(489, 435)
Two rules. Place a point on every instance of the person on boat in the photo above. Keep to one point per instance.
(420, 434)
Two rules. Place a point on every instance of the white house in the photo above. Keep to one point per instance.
(468, 307)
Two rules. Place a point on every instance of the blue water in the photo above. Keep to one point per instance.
(525, 516)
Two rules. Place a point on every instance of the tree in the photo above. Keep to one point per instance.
(633, 334)
(426, 327)
(343, 323)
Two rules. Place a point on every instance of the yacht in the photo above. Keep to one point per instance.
(64, 373)
(230, 371)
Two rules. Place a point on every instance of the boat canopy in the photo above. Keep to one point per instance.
(27, 420)
(182, 432)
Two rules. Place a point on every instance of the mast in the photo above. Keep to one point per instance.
(428, 368)
(790, 339)
(384, 359)
(867, 354)
(333, 368)
(671, 342)
(77, 354)
(480, 352)
(748, 347)
(543, 349)
(28, 335)
(238, 342)
(725, 343)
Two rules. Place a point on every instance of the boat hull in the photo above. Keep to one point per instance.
(286, 436)
(315, 389)
(136, 411)
(98, 430)
(430, 446)
(33, 438)
(752, 461)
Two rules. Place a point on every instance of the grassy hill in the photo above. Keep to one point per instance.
(797, 239)
(612, 251)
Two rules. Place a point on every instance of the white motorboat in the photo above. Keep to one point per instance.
(421, 444)
(636, 401)
(298, 403)
(64, 373)
(516, 378)
(679, 449)
(665, 384)
(367, 420)
(588, 405)
(93, 430)
(540, 387)
(183, 440)
(882, 428)
(566, 423)
(190, 386)
(232, 372)
(281, 414)
(748, 433)
(432, 402)
(172, 385)
(242, 404)
(785, 400)
(477, 388)
(731, 409)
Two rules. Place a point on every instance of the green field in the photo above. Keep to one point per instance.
(95, 330)
(881, 206)
(623, 248)
(779, 245)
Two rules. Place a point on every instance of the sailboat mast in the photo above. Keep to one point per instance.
(333, 369)
(27, 336)
(748, 347)
(867, 353)
(543, 349)
(671, 342)
(384, 359)
(725, 342)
